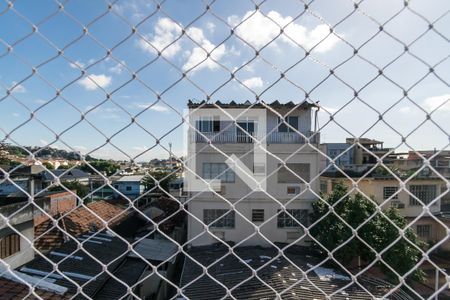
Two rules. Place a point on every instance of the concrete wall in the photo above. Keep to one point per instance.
(26, 253)
(58, 203)
(243, 228)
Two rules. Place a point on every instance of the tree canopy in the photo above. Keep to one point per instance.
(164, 178)
(378, 232)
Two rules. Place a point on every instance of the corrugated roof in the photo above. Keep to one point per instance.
(261, 104)
(280, 275)
(156, 250)
(83, 267)
(131, 178)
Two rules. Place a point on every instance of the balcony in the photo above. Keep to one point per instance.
(241, 138)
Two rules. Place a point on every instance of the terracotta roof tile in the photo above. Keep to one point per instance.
(14, 290)
(77, 222)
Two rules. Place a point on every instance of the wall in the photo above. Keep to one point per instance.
(58, 203)
(136, 188)
(243, 228)
(26, 253)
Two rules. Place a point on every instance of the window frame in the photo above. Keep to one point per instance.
(423, 228)
(286, 221)
(9, 245)
(282, 127)
(385, 188)
(257, 213)
(417, 189)
(221, 171)
(216, 218)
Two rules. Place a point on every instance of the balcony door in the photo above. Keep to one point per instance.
(247, 129)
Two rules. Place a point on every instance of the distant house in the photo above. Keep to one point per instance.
(129, 186)
(66, 175)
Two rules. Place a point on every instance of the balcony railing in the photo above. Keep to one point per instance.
(241, 138)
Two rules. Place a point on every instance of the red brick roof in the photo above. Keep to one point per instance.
(14, 290)
(79, 221)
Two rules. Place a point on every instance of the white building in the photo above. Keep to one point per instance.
(262, 163)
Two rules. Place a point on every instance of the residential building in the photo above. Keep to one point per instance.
(129, 186)
(285, 130)
(387, 191)
(65, 176)
(355, 154)
(16, 237)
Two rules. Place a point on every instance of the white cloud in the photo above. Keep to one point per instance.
(210, 26)
(166, 32)
(15, 115)
(431, 103)
(405, 110)
(18, 88)
(77, 65)
(155, 107)
(258, 30)
(117, 69)
(253, 82)
(160, 108)
(40, 101)
(139, 148)
(80, 148)
(326, 109)
(100, 80)
(198, 55)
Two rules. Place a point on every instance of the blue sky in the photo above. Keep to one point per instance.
(63, 29)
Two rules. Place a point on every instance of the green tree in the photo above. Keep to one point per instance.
(81, 189)
(102, 166)
(378, 232)
(66, 167)
(164, 178)
(48, 165)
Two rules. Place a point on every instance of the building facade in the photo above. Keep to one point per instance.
(226, 162)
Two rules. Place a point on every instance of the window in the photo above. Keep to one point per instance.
(257, 215)
(218, 171)
(208, 124)
(128, 188)
(424, 231)
(388, 191)
(9, 245)
(286, 221)
(426, 193)
(291, 120)
(285, 174)
(244, 135)
(293, 190)
(323, 186)
(216, 218)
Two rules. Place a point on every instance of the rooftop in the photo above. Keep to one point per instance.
(276, 273)
(131, 178)
(246, 104)
(77, 222)
(12, 289)
(85, 266)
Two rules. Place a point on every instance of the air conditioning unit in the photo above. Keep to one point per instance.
(397, 204)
